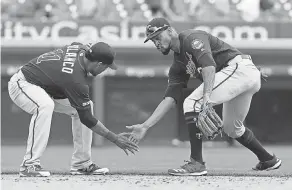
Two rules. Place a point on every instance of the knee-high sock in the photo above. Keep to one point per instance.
(195, 136)
(249, 141)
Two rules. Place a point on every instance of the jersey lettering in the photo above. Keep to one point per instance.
(191, 67)
(61, 74)
(67, 70)
(50, 56)
(70, 58)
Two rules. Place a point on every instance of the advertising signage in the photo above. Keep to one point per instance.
(132, 34)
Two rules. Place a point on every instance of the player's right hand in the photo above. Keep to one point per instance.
(125, 144)
(138, 132)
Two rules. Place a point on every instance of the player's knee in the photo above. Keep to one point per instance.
(191, 105)
(233, 128)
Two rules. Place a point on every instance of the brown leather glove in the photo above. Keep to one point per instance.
(209, 123)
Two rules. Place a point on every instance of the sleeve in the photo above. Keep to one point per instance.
(78, 95)
(87, 118)
(176, 82)
(199, 45)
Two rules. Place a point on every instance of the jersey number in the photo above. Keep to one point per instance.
(50, 56)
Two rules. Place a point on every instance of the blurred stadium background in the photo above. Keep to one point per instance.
(261, 28)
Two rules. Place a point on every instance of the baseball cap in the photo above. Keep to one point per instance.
(102, 52)
(155, 27)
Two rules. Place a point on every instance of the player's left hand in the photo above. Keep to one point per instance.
(138, 132)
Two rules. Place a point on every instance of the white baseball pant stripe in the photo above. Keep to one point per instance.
(234, 86)
(35, 100)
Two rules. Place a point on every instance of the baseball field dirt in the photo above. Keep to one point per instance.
(229, 168)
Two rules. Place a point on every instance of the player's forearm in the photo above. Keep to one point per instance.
(100, 129)
(164, 106)
(208, 74)
(87, 118)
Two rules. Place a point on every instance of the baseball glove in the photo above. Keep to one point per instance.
(209, 123)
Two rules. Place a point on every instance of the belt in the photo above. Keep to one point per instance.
(238, 58)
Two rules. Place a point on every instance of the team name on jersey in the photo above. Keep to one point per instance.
(70, 58)
(191, 67)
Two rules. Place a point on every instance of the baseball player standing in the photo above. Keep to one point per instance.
(228, 77)
(58, 81)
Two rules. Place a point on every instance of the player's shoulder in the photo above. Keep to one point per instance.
(73, 44)
(191, 37)
(76, 43)
(192, 33)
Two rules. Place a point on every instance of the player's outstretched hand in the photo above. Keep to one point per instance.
(138, 132)
(125, 144)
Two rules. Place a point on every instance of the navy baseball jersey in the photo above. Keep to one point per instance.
(61, 74)
(194, 44)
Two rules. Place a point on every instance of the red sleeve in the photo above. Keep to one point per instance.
(199, 45)
(78, 95)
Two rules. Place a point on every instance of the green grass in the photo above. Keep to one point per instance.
(152, 160)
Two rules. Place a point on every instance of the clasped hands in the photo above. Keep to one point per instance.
(137, 134)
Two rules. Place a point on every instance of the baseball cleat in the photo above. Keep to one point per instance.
(191, 168)
(273, 164)
(92, 169)
(33, 171)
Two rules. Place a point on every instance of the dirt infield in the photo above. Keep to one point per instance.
(126, 182)
(228, 168)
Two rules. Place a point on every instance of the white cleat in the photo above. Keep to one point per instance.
(92, 169)
(33, 171)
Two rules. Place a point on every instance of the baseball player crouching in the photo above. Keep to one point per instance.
(229, 77)
(58, 81)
